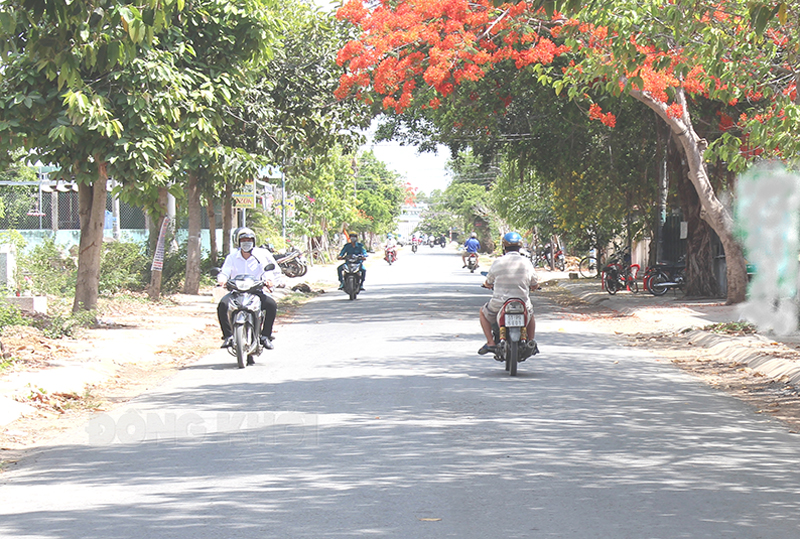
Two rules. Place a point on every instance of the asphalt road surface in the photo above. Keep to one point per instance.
(376, 418)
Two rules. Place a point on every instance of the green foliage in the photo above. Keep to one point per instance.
(10, 315)
(173, 273)
(14, 238)
(732, 328)
(267, 227)
(60, 326)
(123, 266)
(380, 193)
(47, 269)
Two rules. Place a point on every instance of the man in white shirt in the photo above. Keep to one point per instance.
(511, 276)
(249, 260)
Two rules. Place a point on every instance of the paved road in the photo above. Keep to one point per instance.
(376, 418)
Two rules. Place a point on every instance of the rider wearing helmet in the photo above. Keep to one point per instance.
(470, 246)
(511, 276)
(354, 247)
(250, 260)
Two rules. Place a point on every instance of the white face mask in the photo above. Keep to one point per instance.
(247, 246)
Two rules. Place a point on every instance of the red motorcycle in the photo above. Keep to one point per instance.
(511, 335)
(390, 255)
(472, 262)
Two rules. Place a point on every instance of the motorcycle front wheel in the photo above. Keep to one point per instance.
(351, 286)
(240, 342)
(656, 284)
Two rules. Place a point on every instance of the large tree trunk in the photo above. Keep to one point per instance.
(700, 277)
(212, 226)
(227, 220)
(713, 211)
(92, 212)
(192, 283)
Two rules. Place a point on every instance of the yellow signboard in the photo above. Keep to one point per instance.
(245, 197)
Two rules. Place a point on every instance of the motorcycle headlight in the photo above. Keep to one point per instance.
(245, 284)
(252, 303)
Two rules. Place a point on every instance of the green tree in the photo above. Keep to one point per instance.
(379, 192)
(73, 75)
(660, 53)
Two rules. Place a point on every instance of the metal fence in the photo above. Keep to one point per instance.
(53, 206)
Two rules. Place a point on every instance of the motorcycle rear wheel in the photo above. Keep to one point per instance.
(513, 357)
(240, 342)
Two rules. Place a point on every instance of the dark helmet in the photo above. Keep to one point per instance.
(512, 239)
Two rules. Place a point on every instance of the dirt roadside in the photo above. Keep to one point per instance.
(56, 385)
(150, 343)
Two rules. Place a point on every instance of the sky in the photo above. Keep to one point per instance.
(425, 171)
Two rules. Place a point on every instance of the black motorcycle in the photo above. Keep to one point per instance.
(246, 316)
(352, 276)
(664, 276)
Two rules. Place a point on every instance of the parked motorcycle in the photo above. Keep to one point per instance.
(664, 276)
(246, 316)
(293, 263)
(472, 262)
(390, 255)
(352, 275)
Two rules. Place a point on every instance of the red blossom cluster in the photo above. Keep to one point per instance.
(408, 46)
(596, 113)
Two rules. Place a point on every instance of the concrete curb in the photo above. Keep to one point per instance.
(754, 351)
(765, 355)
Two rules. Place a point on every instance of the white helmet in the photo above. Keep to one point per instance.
(245, 233)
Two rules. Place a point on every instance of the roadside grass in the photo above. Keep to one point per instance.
(732, 328)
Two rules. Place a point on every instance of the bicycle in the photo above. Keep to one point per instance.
(588, 267)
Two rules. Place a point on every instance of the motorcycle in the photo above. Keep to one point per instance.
(352, 275)
(292, 264)
(414, 247)
(246, 316)
(472, 262)
(662, 277)
(390, 255)
(511, 335)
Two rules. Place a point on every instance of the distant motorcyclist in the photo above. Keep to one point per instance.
(354, 247)
(391, 246)
(249, 260)
(470, 246)
(511, 276)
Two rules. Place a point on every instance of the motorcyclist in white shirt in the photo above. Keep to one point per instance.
(250, 260)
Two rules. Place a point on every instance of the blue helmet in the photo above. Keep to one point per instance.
(512, 238)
